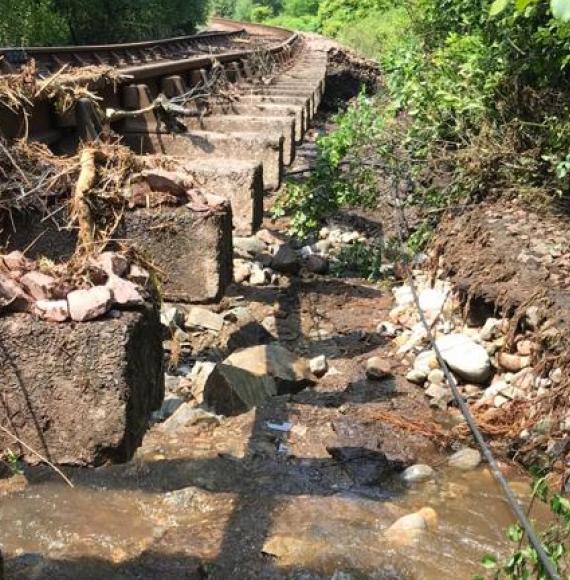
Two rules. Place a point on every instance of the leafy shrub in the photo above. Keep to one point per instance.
(340, 178)
(524, 562)
(377, 33)
(24, 22)
(361, 259)
(335, 14)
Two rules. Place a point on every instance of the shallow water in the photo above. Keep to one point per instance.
(108, 529)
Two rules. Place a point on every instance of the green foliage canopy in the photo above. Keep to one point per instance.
(96, 21)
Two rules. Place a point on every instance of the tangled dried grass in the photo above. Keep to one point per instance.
(19, 91)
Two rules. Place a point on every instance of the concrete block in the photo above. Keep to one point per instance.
(244, 146)
(193, 250)
(240, 182)
(269, 110)
(277, 126)
(80, 394)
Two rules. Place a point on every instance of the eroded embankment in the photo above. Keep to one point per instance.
(290, 443)
(508, 261)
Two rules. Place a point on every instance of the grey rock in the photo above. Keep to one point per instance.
(248, 247)
(465, 459)
(231, 390)
(291, 372)
(378, 368)
(171, 317)
(204, 318)
(170, 405)
(187, 415)
(418, 473)
(317, 264)
(285, 260)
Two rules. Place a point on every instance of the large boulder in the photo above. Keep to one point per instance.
(249, 377)
(465, 357)
(231, 390)
(290, 372)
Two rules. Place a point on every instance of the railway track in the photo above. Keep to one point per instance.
(225, 151)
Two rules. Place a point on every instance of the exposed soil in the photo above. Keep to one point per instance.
(504, 258)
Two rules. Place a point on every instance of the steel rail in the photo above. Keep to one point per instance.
(145, 59)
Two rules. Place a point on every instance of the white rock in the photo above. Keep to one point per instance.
(323, 247)
(495, 389)
(89, 304)
(540, 383)
(413, 521)
(418, 473)
(436, 377)
(387, 329)
(259, 276)
(349, 237)
(416, 377)
(306, 251)
(171, 317)
(556, 376)
(125, 292)
(378, 368)
(319, 365)
(242, 271)
(425, 362)
(499, 401)
(465, 459)
(490, 329)
(403, 295)
(324, 233)
(431, 300)
(53, 310)
(533, 317)
(465, 357)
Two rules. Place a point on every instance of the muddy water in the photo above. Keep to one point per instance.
(179, 518)
(241, 500)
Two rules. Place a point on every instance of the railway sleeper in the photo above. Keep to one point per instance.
(144, 136)
(278, 126)
(80, 393)
(192, 250)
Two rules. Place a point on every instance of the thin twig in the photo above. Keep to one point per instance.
(39, 455)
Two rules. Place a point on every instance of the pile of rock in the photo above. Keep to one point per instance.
(262, 258)
(488, 368)
(107, 281)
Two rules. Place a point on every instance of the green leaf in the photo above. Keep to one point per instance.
(561, 9)
(498, 6)
(522, 5)
(514, 533)
(489, 561)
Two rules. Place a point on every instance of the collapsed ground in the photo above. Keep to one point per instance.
(334, 452)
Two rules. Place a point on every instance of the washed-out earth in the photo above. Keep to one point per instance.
(227, 401)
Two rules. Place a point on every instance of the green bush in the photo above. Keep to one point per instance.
(378, 33)
(24, 22)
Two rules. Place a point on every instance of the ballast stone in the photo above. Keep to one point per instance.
(465, 459)
(465, 357)
(89, 304)
(418, 473)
